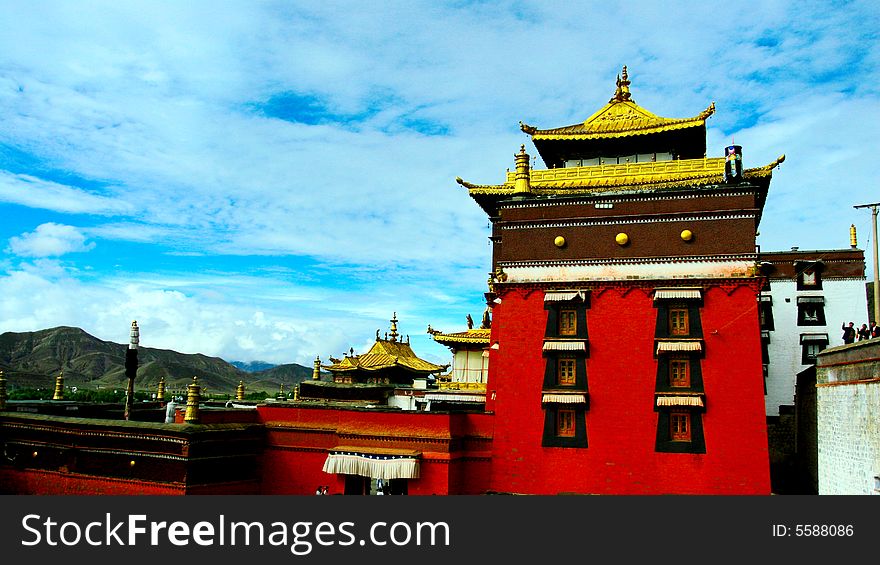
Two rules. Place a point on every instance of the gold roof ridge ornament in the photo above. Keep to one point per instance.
(522, 181)
(393, 327)
(622, 93)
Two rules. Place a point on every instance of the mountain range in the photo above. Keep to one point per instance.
(34, 359)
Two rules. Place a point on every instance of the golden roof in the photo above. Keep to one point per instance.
(386, 354)
(621, 117)
(607, 178)
(477, 336)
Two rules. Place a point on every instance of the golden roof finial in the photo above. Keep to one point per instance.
(316, 371)
(59, 387)
(622, 94)
(239, 391)
(394, 327)
(853, 242)
(193, 398)
(522, 182)
(160, 392)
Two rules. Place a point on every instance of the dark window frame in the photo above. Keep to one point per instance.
(666, 444)
(806, 358)
(812, 267)
(552, 439)
(802, 319)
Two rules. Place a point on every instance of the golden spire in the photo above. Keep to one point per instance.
(853, 242)
(281, 393)
(59, 387)
(316, 372)
(193, 397)
(296, 393)
(3, 395)
(239, 391)
(393, 327)
(160, 393)
(522, 184)
(622, 93)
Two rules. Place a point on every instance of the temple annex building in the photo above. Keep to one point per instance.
(620, 353)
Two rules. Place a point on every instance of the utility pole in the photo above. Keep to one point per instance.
(873, 208)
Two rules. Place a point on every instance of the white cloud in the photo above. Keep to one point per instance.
(34, 192)
(50, 240)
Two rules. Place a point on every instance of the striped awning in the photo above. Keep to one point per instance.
(679, 401)
(563, 398)
(439, 397)
(564, 346)
(811, 300)
(822, 338)
(376, 463)
(562, 296)
(677, 293)
(677, 346)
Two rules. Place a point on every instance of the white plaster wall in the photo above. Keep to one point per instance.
(469, 366)
(845, 300)
(849, 438)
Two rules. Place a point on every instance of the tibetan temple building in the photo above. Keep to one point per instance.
(623, 353)
(626, 356)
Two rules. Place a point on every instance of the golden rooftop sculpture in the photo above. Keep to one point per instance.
(59, 387)
(193, 398)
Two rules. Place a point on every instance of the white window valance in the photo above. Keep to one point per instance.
(382, 464)
(562, 398)
(564, 346)
(811, 300)
(677, 293)
(679, 401)
(823, 338)
(677, 346)
(563, 296)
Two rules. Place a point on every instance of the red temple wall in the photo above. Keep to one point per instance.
(621, 421)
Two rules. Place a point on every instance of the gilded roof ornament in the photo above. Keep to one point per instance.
(394, 327)
(622, 94)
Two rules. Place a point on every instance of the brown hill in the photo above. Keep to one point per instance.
(34, 359)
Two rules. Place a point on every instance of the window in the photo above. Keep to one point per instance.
(678, 321)
(765, 313)
(809, 275)
(811, 311)
(680, 426)
(811, 345)
(679, 373)
(565, 371)
(565, 423)
(568, 322)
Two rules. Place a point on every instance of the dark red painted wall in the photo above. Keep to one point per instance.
(299, 439)
(621, 422)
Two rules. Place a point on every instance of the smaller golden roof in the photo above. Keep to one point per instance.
(621, 117)
(386, 354)
(475, 336)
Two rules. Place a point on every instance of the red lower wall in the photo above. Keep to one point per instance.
(621, 421)
(454, 447)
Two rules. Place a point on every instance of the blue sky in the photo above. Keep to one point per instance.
(272, 180)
